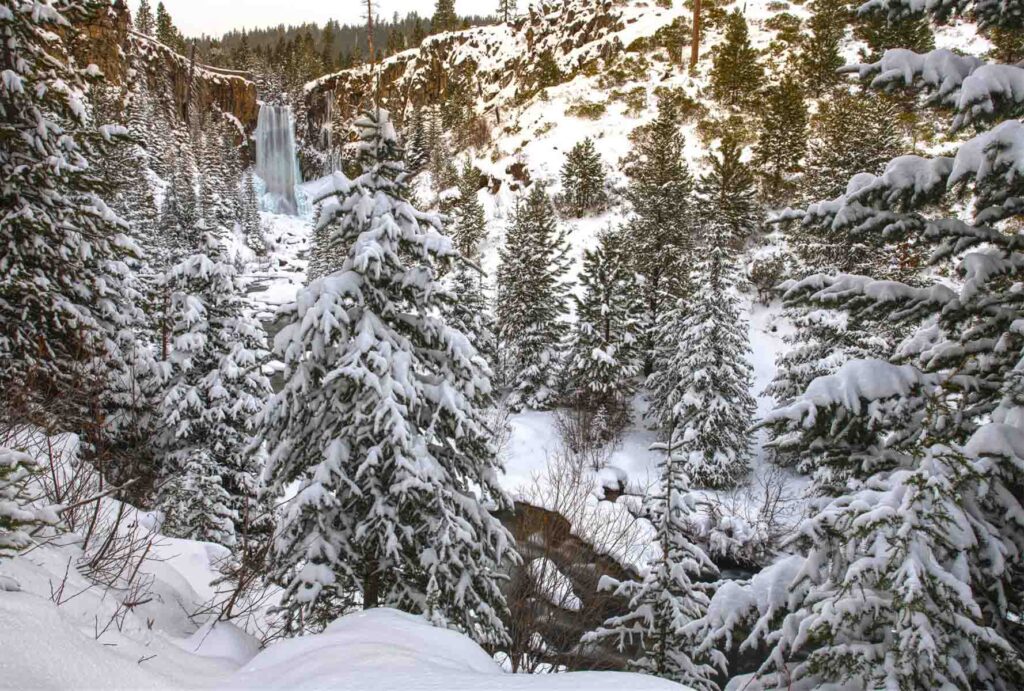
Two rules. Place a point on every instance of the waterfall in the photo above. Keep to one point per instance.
(276, 162)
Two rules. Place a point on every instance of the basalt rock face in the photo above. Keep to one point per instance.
(212, 89)
(501, 65)
(109, 42)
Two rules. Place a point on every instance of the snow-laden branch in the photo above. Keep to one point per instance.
(975, 89)
(855, 384)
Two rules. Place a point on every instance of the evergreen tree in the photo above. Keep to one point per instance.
(547, 72)
(583, 178)
(242, 58)
(735, 72)
(533, 301)
(445, 18)
(251, 222)
(820, 59)
(123, 166)
(213, 392)
(380, 421)
(604, 359)
(729, 188)
(179, 216)
(417, 149)
(822, 341)
(395, 41)
(1007, 45)
(912, 32)
(782, 140)
(469, 227)
(471, 313)
(700, 388)
(458, 107)
(660, 190)
(166, 32)
(910, 554)
(851, 133)
(418, 34)
(507, 10)
(665, 604)
(144, 18)
(63, 294)
(327, 53)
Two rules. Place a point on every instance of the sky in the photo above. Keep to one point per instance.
(214, 17)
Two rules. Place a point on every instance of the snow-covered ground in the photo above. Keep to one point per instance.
(60, 632)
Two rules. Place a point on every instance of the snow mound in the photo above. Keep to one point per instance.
(42, 650)
(223, 639)
(384, 649)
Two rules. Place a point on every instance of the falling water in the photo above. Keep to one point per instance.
(276, 162)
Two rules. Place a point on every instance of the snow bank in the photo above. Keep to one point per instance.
(384, 649)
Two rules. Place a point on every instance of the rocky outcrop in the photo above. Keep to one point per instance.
(109, 42)
(546, 537)
(502, 65)
(211, 88)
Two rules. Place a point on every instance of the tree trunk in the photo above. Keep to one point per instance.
(695, 39)
(371, 585)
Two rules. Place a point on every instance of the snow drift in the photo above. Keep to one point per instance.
(384, 649)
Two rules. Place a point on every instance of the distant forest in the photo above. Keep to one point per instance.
(338, 46)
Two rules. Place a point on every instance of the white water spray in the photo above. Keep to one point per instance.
(276, 160)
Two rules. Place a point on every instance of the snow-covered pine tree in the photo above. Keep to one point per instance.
(583, 178)
(666, 603)
(700, 387)
(851, 133)
(249, 216)
(660, 191)
(604, 359)
(128, 398)
(63, 296)
(214, 390)
(915, 549)
(729, 187)
(18, 504)
(782, 140)
(444, 174)
(417, 148)
(736, 74)
(217, 181)
(533, 301)
(822, 341)
(819, 59)
(459, 105)
(144, 18)
(380, 421)
(179, 216)
(469, 223)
